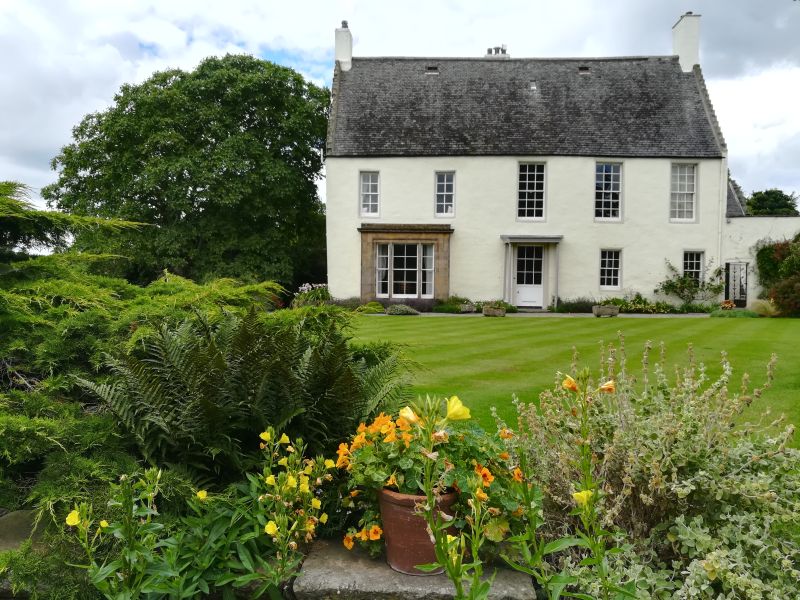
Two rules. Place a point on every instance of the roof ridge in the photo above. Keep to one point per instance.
(506, 58)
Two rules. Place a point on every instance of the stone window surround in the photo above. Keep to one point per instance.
(373, 234)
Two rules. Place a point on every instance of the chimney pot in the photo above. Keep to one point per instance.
(344, 24)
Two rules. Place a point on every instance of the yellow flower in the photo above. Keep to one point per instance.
(569, 384)
(409, 415)
(103, 523)
(304, 489)
(348, 541)
(73, 518)
(265, 436)
(609, 387)
(392, 481)
(329, 464)
(375, 533)
(284, 439)
(202, 495)
(283, 462)
(481, 495)
(271, 528)
(291, 482)
(456, 411)
(270, 480)
(315, 503)
(323, 518)
(582, 498)
(310, 526)
(308, 469)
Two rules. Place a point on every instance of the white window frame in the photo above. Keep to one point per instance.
(376, 194)
(437, 193)
(390, 267)
(701, 263)
(618, 286)
(673, 192)
(619, 192)
(543, 165)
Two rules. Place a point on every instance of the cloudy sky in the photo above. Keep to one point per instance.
(62, 59)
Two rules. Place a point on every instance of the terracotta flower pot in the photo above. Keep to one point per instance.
(405, 532)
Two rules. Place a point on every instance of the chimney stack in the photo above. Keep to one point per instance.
(686, 40)
(344, 47)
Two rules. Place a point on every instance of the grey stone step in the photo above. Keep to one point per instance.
(331, 572)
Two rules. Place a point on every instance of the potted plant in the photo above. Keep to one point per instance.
(386, 462)
(495, 308)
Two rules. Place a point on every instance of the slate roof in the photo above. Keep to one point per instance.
(735, 204)
(626, 107)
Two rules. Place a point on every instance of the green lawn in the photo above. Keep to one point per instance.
(484, 361)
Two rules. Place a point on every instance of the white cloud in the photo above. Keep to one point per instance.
(62, 59)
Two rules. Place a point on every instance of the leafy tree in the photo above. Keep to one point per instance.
(772, 202)
(221, 160)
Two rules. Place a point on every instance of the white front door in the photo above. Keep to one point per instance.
(528, 289)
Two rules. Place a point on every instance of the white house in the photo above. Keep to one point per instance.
(529, 179)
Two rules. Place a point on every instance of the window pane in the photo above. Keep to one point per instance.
(607, 191)
(369, 193)
(382, 282)
(693, 265)
(682, 193)
(609, 268)
(530, 202)
(445, 194)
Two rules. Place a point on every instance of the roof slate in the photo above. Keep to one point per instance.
(626, 107)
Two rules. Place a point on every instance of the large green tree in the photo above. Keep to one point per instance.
(221, 161)
(772, 202)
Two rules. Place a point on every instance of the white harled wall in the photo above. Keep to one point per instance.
(485, 209)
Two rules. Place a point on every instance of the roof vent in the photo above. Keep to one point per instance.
(432, 70)
(534, 87)
(583, 70)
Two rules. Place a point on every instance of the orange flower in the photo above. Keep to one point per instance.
(361, 428)
(348, 541)
(504, 456)
(363, 535)
(375, 533)
(392, 481)
(486, 475)
(481, 495)
(359, 441)
(517, 473)
(355, 493)
(506, 433)
(344, 453)
(609, 387)
(403, 424)
(380, 421)
(518, 512)
(407, 437)
(569, 384)
(391, 436)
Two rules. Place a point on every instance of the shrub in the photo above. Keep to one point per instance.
(352, 303)
(205, 386)
(674, 457)
(401, 309)
(786, 295)
(638, 304)
(371, 308)
(311, 294)
(509, 308)
(764, 308)
(708, 286)
(576, 305)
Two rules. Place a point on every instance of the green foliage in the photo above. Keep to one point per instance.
(203, 387)
(688, 289)
(641, 305)
(575, 305)
(454, 305)
(312, 294)
(22, 227)
(371, 308)
(769, 258)
(222, 161)
(401, 309)
(676, 457)
(786, 296)
(509, 308)
(772, 202)
(58, 317)
(778, 266)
